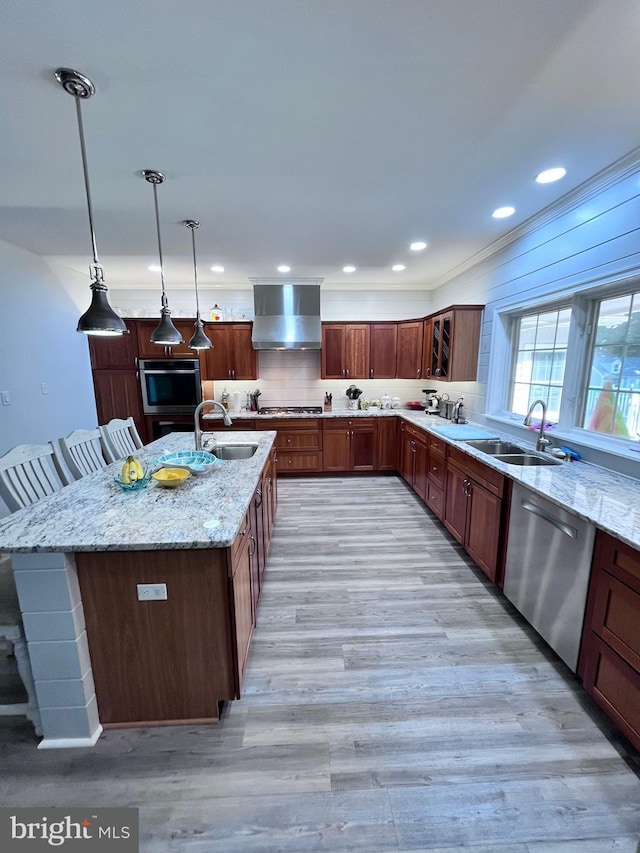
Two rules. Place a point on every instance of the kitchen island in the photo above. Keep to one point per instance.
(104, 652)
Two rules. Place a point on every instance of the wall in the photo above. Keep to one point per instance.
(590, 236)
(39, 344)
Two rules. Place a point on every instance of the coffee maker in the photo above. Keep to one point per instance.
(432, 406)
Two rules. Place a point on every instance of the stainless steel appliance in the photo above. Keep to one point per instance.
(170, 386)
(547, 569)
(290, 410)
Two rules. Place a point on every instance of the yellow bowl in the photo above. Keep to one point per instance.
(171, 477)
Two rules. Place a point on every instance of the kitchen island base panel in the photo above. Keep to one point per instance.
(49, 595)
(161, 661)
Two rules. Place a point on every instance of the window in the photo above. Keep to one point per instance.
(539, 360)
(579, 354)
(612, 399)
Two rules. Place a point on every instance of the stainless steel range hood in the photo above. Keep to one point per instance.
(287, 313)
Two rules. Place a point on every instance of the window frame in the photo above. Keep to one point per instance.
(584, 305)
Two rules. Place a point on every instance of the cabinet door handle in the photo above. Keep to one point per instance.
(428, 372)
(252, 549)
(419, 372)
(371, 373)
(347, 373)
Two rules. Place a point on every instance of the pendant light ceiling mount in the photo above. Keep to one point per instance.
(100, 318)
(165, 333)
(199, 340)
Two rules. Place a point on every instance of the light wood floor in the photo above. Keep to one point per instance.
(394, 701)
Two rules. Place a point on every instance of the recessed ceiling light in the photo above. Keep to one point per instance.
(503, 212)
(284, 268)
(348, 269)
(217, 268)
(418, 246)
(398, 267)
(551, 175)
(154, 268)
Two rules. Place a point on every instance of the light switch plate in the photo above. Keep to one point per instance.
(152, 591)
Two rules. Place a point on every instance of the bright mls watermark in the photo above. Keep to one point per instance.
(32, 830)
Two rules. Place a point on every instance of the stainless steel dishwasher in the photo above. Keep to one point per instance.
(547, 569)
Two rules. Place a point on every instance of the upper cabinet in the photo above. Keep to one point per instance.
(148, 350)
(115, 353)
(451, 341)
(383, 346)
(410, 350)
(345, 350)
(232, 355)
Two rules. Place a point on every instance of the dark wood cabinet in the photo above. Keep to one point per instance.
(609, 663)
(349, 444)
(242, 598)
(410, 350)
(345, 351)
(232, 356)
(383, 345)
(473, 510)
(436, 476)
(298, 444)
(387, 452)
(414, 458)
(117, 394)
(451, 342)
(144, 330)
(115, 353)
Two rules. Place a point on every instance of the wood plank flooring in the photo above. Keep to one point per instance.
(394, 701)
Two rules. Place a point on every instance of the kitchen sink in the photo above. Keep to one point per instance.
(525, 459)
(233, 451)
(495, 447)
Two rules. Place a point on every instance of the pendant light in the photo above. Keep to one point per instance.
(100, 318)
(199, 339)
(165, 333)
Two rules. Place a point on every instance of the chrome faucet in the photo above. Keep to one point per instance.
(196, 419)
(542, 443)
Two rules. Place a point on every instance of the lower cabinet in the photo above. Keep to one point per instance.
(473, 511)
(609, 663)
(387, 444)
(242, 595)
(414, 458)
(298, 444)
(349, 444)
(436, 476)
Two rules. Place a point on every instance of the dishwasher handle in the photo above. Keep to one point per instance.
(546, 516)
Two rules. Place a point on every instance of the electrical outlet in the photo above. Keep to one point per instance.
(43, 388)
(152, 591)
(6, 398)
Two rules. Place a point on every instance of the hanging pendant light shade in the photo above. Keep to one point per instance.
(199, 339)
(100, 318)
(165, 333)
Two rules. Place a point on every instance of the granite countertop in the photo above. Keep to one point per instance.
(609, 500)
(337, 413)
(95, 514)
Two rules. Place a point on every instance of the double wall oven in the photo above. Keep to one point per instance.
(170, 387)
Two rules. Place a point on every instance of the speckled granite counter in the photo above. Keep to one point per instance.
(94, 514)
(607, 499)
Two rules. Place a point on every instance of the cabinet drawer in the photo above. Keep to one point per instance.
(616, 617)
(437, 470)
(415, 432)
(615, 686)
(287, 424)
(437, 446)
(298, 461)
(348, 423)
(481, 473)
(302, 439)
(619, 559)
(435, 498)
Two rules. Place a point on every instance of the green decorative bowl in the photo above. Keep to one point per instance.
(134, 485)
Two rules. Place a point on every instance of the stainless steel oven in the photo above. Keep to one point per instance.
(170, 386)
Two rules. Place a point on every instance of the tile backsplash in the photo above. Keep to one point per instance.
(292, 378)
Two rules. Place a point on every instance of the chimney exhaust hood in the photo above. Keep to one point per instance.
(287, 313)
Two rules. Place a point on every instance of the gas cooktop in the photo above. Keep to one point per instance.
(290, 410)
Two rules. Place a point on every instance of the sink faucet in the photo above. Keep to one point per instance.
(196, 419)
(542, 443)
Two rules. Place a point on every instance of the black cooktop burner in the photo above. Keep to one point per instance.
(290, 410)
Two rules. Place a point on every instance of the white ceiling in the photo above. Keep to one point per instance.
(313, 132)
